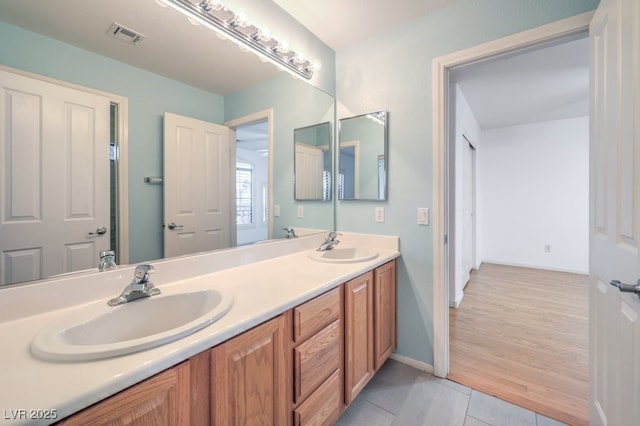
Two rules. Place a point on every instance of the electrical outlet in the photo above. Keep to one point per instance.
(547, 248)
(300, 211)
(379, 214)
(423, 216)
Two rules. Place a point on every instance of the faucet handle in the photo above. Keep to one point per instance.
(142, 273)
(105, 253)
(291, 233)
(107, 260)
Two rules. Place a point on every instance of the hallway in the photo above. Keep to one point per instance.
(522, 335)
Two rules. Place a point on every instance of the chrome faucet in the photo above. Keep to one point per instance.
(140, 287)
(329, 242)
(107, 260)
(291, 233)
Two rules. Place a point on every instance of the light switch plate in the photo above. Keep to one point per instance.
(423, 216)
(300, 211)
(276, 210)
(379, 214)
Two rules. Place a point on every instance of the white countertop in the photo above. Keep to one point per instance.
(263, 286)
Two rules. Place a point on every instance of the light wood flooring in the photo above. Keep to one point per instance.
(522, 335)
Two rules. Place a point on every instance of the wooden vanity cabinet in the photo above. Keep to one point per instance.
(358, 330)
(370, 326)
(384, 313)
(164, 399)
(249, 383)
(302, 367)
(317, 347)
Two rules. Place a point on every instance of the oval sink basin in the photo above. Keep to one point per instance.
(131, 327)
(344, 255)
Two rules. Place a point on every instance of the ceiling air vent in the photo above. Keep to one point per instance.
(125, 34)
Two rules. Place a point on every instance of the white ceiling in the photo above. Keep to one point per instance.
(340, 23)
(541, 85)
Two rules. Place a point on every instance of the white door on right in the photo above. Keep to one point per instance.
(615, 214)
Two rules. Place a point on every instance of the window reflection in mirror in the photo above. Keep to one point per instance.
(312, 162)
(362, 161)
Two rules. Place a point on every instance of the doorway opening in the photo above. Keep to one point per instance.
(533, 180)
(252, 173)
(445, 224)
(252, 182)
(113, 178)
(119, 178)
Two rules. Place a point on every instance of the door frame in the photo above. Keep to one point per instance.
(443, 223)
(123, 152)
(266, 114)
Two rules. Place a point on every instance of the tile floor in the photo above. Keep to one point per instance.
(401, 395)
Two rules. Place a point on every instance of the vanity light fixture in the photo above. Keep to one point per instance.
(230, 24)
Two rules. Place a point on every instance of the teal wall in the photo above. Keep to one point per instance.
(315, 135)
(149, 95)
(295, 104)
(392, 71)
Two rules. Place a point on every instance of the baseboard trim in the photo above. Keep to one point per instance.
(532, 266)
(456, 303)
(423, 366)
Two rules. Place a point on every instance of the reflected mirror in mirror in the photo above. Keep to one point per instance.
(312, 162)
(362, 160)
(165, 72)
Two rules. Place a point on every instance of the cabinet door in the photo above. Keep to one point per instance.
(249, 377)
(358, 334)
(384, 307)
(323, 407)
(163, 399)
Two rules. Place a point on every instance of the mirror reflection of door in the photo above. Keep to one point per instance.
(197, 211)
(252, 182)
(54, 185)
(312, 162)
(309, 162)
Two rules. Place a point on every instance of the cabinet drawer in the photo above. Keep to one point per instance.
(315, 360)
(324, 406)
(316, 314)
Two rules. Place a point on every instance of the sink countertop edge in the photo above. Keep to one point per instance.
(96, 380)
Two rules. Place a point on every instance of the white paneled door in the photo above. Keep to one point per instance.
(54, 178)
(309, 167)
(197, 181)
(615, 214)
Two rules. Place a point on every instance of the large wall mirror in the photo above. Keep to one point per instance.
(312, 162)
(178, 67)
(362, 159)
